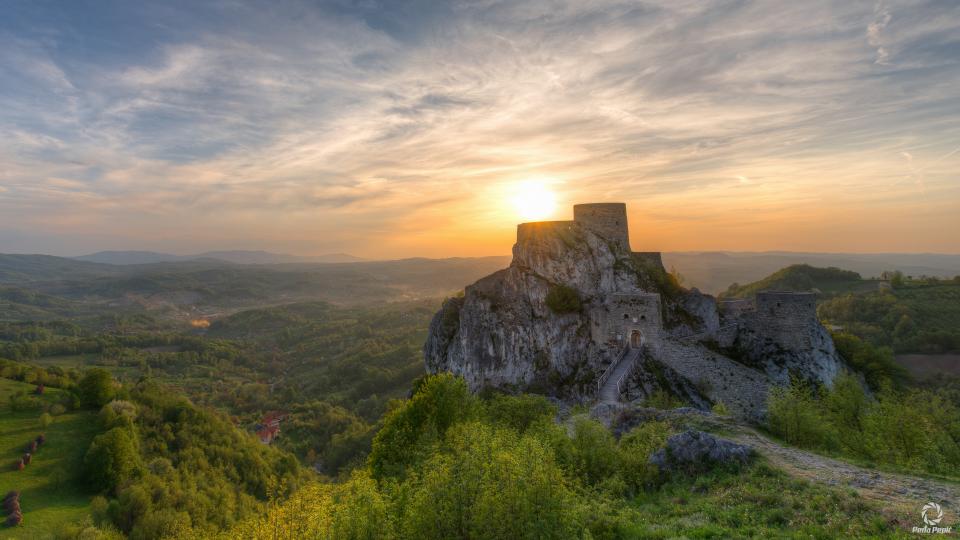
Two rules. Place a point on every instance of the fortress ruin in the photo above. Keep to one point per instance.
(636, 332)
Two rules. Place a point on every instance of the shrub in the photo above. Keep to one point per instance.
(794, 414)
(489, 482)
(518, 412)
(45, 420)
(636, 446)
(663, 400)
(720, 409)
(595, 452)
(562, 299)
(917, 430)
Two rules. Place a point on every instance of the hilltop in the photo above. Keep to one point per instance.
(580, 316)
(802, 278)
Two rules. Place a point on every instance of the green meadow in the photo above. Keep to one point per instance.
(49, 496)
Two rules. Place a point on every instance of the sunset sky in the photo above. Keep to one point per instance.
(400, 128)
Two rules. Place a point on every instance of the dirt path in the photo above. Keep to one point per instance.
(899, 492)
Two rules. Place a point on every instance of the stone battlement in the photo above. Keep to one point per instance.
(607, 220)
(538, 229)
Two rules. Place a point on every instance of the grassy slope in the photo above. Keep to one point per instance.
(757, 502)
(46, 503)
(802, 277)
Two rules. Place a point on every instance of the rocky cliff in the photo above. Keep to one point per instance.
(503, 333)
(573, 299)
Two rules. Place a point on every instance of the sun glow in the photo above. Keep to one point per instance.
(533, 200)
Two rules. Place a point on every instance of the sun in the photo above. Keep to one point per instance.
(533, 200)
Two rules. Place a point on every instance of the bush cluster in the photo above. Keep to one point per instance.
(916, 430)
(563, 299)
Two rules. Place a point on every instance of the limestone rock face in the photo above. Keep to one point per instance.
(807, 352)
(505, 331)
(503, 334)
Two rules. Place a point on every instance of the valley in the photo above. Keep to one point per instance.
(332, 349)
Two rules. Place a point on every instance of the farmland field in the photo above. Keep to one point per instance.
(48, 493)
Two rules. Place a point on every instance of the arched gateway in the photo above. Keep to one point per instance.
(636, 339)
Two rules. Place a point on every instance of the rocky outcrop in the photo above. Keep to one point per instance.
(575, 296)
(693, 451)
(503, 333)
(808, 353)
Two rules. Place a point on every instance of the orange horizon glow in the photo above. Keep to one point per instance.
(777, 126)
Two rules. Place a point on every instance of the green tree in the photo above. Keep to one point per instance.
(96, 388)
(409, 430)
(111, 459)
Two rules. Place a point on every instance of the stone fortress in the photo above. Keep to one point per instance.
(636, 332)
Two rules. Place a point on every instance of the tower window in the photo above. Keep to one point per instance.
(626, 316)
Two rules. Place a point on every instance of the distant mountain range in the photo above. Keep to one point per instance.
(711, 272)
(235, 256)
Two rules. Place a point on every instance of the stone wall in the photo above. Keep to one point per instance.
(786, 317)
(606, 220)
(614, 321)
(539, 229)
(652, 257)
(732, 309)
(784, 337)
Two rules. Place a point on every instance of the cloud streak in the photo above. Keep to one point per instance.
(396, 131)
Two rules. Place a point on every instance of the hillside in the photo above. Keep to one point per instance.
(802, 278)
(918, 316)
(48, 486)
(43, 287)
(714, 271)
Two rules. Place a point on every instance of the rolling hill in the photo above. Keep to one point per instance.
(233, 256)
(803, 277)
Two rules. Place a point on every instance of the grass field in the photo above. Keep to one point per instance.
(49, 497)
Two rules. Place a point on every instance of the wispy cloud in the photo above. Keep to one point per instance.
(394, 130)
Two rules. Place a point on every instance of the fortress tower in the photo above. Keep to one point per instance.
(607, 220)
